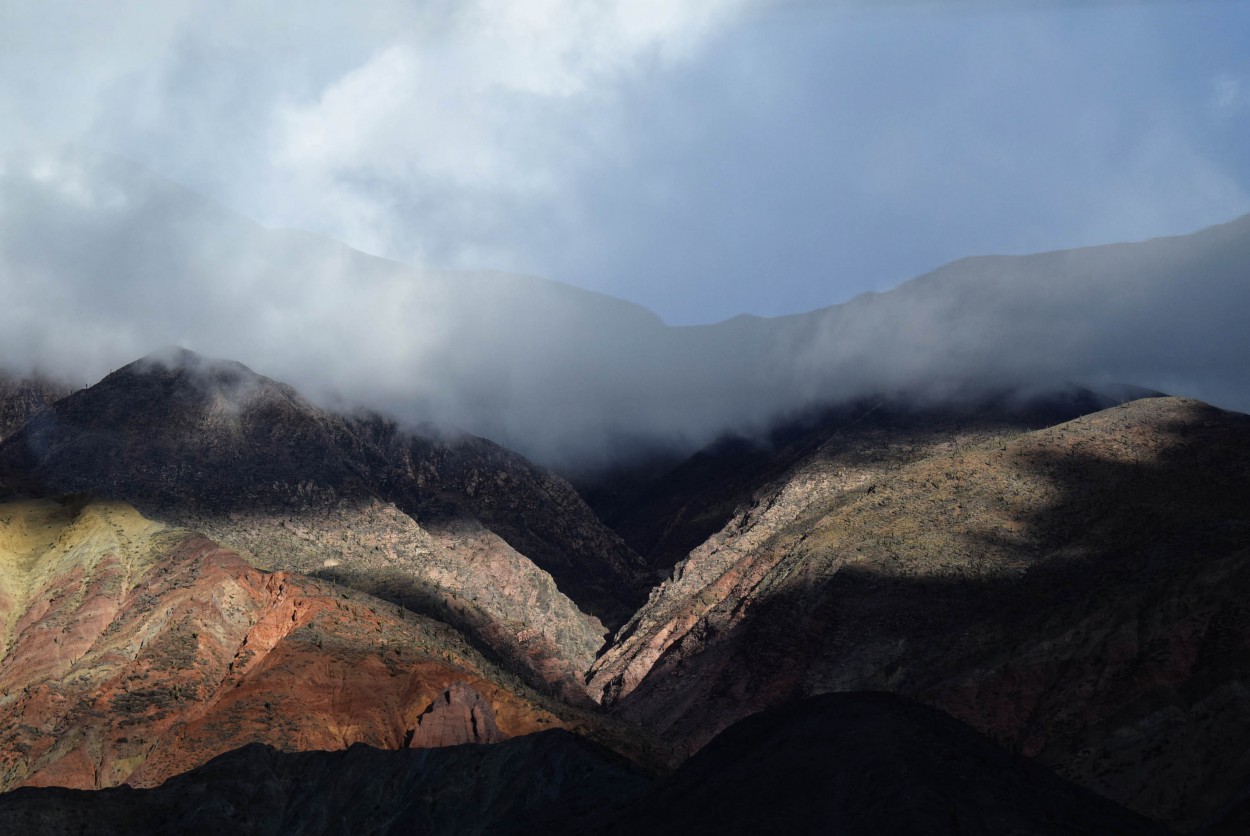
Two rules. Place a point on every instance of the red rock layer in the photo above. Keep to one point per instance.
(134, 652)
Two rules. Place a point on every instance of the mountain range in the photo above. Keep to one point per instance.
(928, 561)
(196, 559)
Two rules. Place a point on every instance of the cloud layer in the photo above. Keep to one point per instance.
(103, 262)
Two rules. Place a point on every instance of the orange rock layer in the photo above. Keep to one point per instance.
(135, 652)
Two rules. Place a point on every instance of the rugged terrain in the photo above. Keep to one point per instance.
(455, 527)
(665, 506)
(134, 651)
(1071, 587)
(843, 763)
(1075, 592)
(22, 396)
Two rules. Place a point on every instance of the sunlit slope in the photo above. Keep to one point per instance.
(1077, 592)
(455, 527)
(133, 651)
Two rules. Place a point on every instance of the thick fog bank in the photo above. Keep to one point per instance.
(102, 262)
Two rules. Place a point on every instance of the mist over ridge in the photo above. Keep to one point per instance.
(104, 262)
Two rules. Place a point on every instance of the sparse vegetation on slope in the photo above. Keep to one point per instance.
(135, 651)
(1076, 592)
(460, 529)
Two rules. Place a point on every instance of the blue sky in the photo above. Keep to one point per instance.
(703, 159)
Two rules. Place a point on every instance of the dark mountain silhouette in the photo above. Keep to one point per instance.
(843, 763)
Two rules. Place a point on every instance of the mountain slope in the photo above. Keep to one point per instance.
(22, 397)
(134, 651)
(434, 524)
(1075, 592)
(665, 509)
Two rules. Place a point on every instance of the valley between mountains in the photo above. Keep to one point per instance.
(225, 607)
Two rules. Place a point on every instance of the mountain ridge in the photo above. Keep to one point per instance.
(216, 448)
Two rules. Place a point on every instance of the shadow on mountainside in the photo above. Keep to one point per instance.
(665, 508)
(1079, 594)
(213, 437)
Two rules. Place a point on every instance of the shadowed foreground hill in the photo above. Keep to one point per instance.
(850, 764)
(257, 790)
(1078, 593)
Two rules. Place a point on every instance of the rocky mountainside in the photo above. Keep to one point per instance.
(844, 763)
(22, 397)
(1071, 588)
(457, 527)
(1075, 592)
(134, 651)
(665, 507)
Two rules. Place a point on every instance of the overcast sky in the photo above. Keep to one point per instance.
(704, 158)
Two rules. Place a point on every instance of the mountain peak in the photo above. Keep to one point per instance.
(178, 363)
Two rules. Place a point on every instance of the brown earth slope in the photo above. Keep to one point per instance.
(458, 528)
(133, 651)
(1078, 593)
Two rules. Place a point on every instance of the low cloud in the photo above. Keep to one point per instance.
(103, 262)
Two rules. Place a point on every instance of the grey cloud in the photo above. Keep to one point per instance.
(703, 158)
(101, 262)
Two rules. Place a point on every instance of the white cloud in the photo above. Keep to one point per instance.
(489, 105)
(1226, 94)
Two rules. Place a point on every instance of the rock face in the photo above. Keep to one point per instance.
(133, 652)
(459, 715)
(21, 398)
(461, 529)
(1077, 593)
(843, 763)
(666, 509)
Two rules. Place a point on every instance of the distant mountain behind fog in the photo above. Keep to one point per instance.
(102, 261)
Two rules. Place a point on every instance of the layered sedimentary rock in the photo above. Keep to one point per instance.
(1077, 592)
(459, 715)
(133, 651)
(458, 528)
